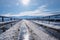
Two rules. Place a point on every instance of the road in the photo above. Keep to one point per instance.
(38, 32)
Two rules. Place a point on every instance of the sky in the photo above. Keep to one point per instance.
(29, 7)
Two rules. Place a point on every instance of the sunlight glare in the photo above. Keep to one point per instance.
(25, 2)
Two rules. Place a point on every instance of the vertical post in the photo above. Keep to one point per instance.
(2, 19)
(49, 19)
(3, 27)
(11, 20)
(55, 19)
(14, 18)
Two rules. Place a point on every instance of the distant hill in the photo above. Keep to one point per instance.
(29, 17)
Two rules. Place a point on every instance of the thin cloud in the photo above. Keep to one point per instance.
(41, 11)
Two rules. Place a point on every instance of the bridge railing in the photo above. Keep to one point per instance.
(47, 25)
(7, 24)
(2, 18)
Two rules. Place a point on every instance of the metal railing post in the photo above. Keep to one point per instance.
(2, 19)
(11, 20)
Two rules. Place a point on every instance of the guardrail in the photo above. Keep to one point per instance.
(4, 23)
(8, 22)
(10, 18)
(48, 25)
(12, 33)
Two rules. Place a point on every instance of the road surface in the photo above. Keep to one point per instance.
(38, 32)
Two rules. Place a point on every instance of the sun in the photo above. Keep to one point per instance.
(25, 2)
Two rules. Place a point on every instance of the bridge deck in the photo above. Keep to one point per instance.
(37, 32)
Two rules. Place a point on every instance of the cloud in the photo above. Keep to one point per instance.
(40, 11)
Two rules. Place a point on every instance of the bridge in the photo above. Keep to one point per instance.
(28, 30)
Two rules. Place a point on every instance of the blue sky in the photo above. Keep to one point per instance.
(29, 7)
